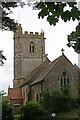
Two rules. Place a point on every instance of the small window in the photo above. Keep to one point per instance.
(31, 47)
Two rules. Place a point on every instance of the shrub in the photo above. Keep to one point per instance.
(55, 101)
(7, 112)
(33, 111)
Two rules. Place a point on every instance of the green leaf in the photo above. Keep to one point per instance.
(75, 13)
(71, 4)
(52, 20)
(66, 16)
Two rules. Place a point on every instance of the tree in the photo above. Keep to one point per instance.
(2, 92)
(5, 8)
(54, 11)
(2, 57)
(74, 39)
(7, 111)
(6, 23)
(55, 101)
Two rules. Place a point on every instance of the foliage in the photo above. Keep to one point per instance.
(7, 23)
(7, 111)
(55, 101)
(4, 100)
(2, 57)
(34, 111)
(17, 116)
(73, 114)
(2, 92)
(66, 90)
(56, 10)
(74, 39)
(74, 103)
(5, 8)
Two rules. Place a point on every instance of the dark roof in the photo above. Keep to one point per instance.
(15, 93)
(39, 73)
(50, 66)
(45, 71)
(78, 69)
(35, 72)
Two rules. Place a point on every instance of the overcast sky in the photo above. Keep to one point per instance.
(56, 39)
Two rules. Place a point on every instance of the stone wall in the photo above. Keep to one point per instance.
(52, 80)
(24, 60)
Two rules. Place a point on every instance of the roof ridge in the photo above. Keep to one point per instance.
(35, 70)
(77, 67)
(50, 67)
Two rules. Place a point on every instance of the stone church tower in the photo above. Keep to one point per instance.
(29, 52)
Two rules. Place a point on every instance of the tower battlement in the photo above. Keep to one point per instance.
(27, 34)
(31, 34)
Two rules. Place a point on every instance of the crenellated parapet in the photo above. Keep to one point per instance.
(19, 33)
(34, 35)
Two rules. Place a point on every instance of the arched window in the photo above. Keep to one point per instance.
(64, 79)
(31, 47)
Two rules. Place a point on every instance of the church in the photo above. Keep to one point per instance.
(34, 72)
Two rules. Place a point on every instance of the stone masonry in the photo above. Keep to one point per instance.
(24, 61)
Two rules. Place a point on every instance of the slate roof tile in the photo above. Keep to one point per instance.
(35, 72)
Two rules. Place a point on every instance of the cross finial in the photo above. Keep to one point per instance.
(62, 51)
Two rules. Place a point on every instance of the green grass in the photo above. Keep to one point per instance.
(72, 114)
(17, 116)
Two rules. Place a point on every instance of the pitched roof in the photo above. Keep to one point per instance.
(39, 73)
(50, 66)
(15, 93)
(35, 72)
(78, 69)
(46, 70)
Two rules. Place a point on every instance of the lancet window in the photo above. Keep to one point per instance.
(32, 47)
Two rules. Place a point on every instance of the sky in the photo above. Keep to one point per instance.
(56, 39)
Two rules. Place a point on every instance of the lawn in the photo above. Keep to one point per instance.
(63, 116)
(74, 114)
(16, 116)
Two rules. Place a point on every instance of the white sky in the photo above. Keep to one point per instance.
(56, 39)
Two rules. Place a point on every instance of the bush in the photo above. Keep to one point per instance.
(55, 101)
(33, 111)
(7, 112)
(74, 103)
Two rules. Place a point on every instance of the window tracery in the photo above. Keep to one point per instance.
(64, 79)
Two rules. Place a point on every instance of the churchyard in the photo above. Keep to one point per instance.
(52, 105)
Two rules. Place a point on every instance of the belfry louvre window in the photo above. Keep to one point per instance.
(64, 79)
(31, 47)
